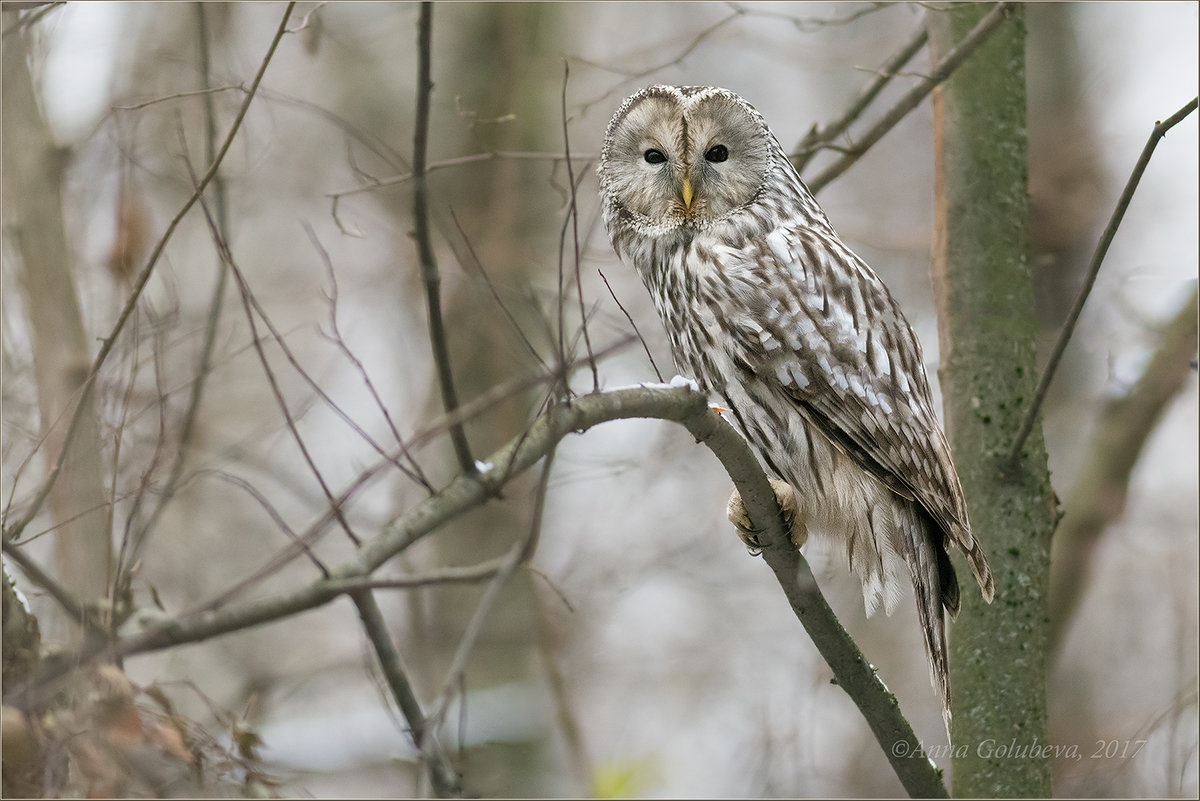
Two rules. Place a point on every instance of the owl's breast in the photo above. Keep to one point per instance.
(700, 293)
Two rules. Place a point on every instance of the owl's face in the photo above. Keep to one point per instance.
(684, 156)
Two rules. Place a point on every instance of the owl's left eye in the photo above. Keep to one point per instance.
(717, 153)
(653, 156)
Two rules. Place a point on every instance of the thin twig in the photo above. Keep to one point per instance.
(630, 77)
(970, 43)
(519, 554)
(272, 512)
(573, 213)
(458, 161)
(192, 413)
(818, 138)
(564, 352)
(810, 24)
(180, 95)
(250, 305)
(636, 331)
(1110, 231)
(143, 278)
(478, 265)
(417, 474)
(131, 538)
(429, 268)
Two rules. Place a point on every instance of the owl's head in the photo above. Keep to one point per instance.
(684, 156)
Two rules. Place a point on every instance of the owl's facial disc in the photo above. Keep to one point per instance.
(727, 154)
(686, 160)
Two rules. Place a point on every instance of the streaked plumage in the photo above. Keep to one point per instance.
(795, 336)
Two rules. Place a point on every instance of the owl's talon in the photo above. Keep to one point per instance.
(793, 523)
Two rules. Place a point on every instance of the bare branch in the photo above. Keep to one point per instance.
(573, 215)
(457, 161)
(445, 781)
(417, 474)
(629, 317)
(1110, 231)
(207, 92)
(478, 264)
(429, 268)
(70, 604)
(970, 43)
(250, 305)
(468, 411)
(818, 138)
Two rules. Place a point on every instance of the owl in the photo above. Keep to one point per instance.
(797, 340)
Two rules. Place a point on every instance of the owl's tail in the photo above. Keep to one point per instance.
(936, 588)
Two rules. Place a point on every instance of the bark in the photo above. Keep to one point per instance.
(988, 334)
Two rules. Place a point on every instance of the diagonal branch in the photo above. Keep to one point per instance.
(1110, 231)
(970, 43)
(446, 783)
(818, 138)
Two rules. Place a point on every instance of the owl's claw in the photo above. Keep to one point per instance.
(793, 523)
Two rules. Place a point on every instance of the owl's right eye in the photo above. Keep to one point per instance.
(653, 156)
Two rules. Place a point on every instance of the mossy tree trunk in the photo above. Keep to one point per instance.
(988, 336)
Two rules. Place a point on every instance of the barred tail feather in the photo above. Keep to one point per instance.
(935, 589)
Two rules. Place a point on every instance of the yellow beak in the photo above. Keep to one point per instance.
(687, 193)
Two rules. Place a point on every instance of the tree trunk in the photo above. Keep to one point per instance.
(33, 218)
(988, 335)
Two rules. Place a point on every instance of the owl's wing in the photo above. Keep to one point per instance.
(823, 326)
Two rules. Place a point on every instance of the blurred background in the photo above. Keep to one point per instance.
(644, 653)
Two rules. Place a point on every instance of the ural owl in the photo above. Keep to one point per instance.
(796, 338)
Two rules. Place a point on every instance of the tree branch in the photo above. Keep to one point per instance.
(429, 268)
(1110, 231)
(573, 216)
(679, 404)
(952, 60)
(446, 783)
(818, 138)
